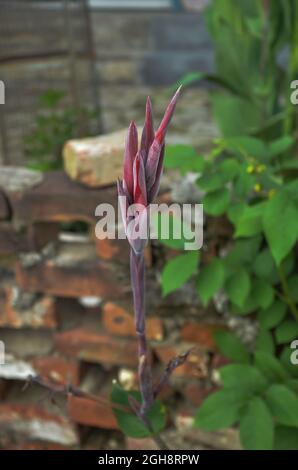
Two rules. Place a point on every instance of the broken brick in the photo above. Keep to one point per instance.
(20, 309)
(119, 320)
(97, 347)
(194, 366)
(74, 271)
(58, 199)
(196, 392)
(33, 422)
(57, 369)
(91, 413)
(201, 334)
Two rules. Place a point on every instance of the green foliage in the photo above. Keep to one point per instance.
(250, 178)
(210, 280)
(178, 270)
(256, 426)
(56, 123)
(129, 423)
(231, 346)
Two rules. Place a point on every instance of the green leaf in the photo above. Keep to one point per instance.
(243, 376)
(219, 410)
(235, 210)
(256, 426)
(178, 270)
(210, 280)
(273, 315)
(229, 168)
(235, 116)
(285, 438)
(238, 286)
(264, 342)
(248, 146)
(292, 384)
(210, 182)
(271, 368)
(264, 265)
(280, 223)
(243, 251)
(263, 293)
(216, 202)
(283, 403)
(280, 145)
(250, 221)
(248, 306)
(286, 331)
(129, 423)
(231, 347)
(184, 157)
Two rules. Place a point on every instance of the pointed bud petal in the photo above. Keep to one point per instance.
(161, 132)
(131, 149)
(152, 163)
(148, 131)
(123, 202)
(154, 190)
(139, 190)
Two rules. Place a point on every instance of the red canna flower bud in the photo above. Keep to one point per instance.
(143, 167)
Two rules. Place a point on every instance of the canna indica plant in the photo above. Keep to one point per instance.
(141, 177)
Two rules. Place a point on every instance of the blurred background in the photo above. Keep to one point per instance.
(75, 74)
(97, 58)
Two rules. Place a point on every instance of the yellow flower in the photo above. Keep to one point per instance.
(250, 169)
(260, 168)
(271, 193)
(257, 187)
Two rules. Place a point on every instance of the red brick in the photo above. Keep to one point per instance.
(97, 347)
(31, 445)
(34, 238)
(219, 361)
(57, 198)
(74, 275)
(91, 413)
(196, 393)
(117, 250)
(41, 314)
(194, 366)
(35, 423)
(141, 444)
(200, 334)
(57, 369)
(119, 320)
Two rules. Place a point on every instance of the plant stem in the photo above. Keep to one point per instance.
(137, 271)
(287, 296)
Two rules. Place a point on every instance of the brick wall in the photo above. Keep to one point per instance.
(66, 314)
(135, 53)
